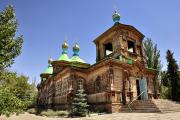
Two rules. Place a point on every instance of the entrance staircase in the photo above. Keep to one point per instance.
(156, 105)
(167, 105)
(143, 106)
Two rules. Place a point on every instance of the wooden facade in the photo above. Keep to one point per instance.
(118, 76)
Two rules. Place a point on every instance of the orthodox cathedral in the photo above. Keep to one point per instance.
(119, 76)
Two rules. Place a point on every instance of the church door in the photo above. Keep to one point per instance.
(143, 88)
(138, 89)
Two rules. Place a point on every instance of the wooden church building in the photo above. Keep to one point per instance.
(119, 75)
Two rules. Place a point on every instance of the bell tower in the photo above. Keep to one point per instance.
(123, 42)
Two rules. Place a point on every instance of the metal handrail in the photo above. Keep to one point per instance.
(134, 100)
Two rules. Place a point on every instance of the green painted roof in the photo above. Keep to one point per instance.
(48, 70)
(64, 57)
(75, 58)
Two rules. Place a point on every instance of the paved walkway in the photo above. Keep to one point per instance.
(114, 116)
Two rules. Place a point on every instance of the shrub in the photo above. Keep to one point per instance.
(32, 111)
(50, 112)
(9, 103)
(62, 113)
(16, 94)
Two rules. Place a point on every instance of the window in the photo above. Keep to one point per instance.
(108, 48)
(80, 84)
(131, 47)
(43, 79)
(98, 84)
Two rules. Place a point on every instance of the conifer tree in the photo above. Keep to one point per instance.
(79, 105)
(172, 72)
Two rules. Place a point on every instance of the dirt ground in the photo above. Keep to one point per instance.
(114, 116)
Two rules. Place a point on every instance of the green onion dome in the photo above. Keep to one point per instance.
(64, 56)
(116, 17)
(75, 57)
(49, 69)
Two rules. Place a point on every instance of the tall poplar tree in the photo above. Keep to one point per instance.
(10, 44)
(152, 54)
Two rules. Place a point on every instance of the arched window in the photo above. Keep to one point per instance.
(97, 84)
(43, 79)
(108, 48)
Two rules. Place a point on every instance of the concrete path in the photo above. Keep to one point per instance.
(114, 116)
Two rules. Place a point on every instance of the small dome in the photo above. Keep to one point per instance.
(48, 70)
(116, 17)
(64, 45)
(76, 47)
(75, 57)
(50, 60)
(64, 56)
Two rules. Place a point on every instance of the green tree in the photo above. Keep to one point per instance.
(152, 58)
(79, 105)
(172, 72)
(164, 79)
(10, 45)
(16, 94)
(165, 86)
(152, 54)
(9, 103)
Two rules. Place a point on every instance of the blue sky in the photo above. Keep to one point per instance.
(45, 23)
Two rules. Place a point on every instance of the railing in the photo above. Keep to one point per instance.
(134, 100)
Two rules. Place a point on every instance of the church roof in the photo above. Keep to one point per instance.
(119, 26)
(77, 59)
(64, 57)
(48, 70)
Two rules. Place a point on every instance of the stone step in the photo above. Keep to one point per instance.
(150, 109)
(144, 108)
(167, 105)
(152, 106)
(134, 110)
(141, 111)
(141, 106)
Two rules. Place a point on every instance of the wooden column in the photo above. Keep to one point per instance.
(148, 80)
(125, 75)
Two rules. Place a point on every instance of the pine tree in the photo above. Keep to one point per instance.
(173, 76)
(79, 105)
